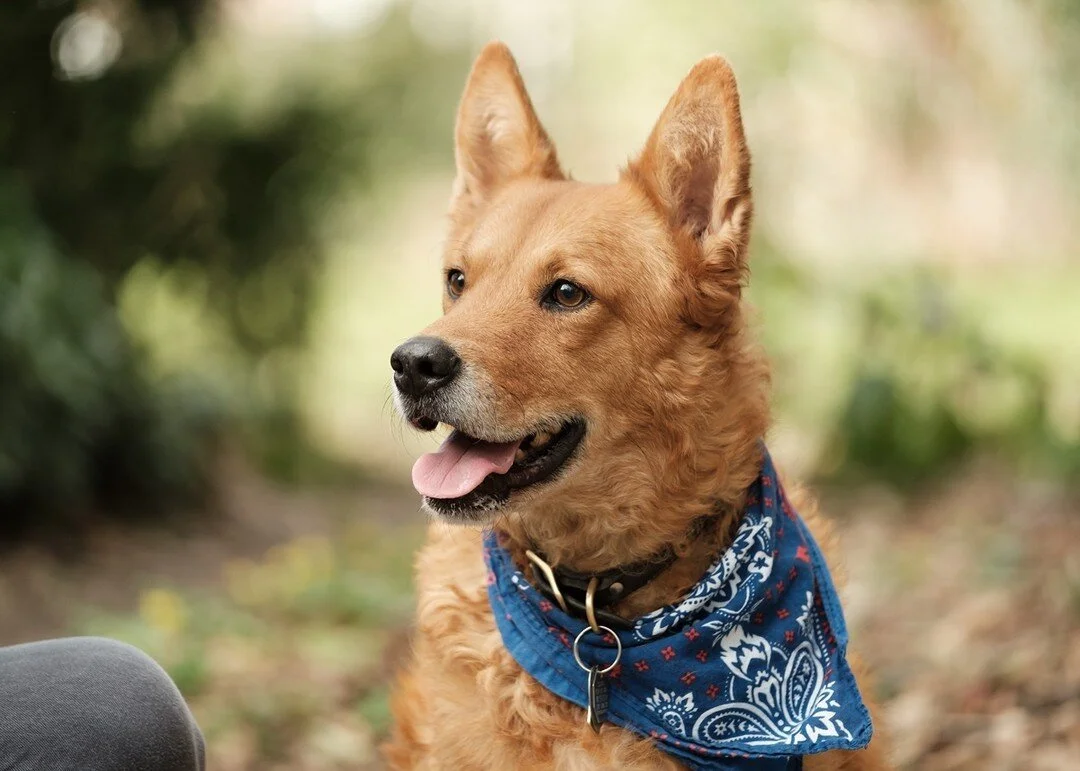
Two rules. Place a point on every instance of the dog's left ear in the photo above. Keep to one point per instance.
(696, 167)
(498, 137)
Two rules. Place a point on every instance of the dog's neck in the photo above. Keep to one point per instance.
(642, 522)
(695, 549)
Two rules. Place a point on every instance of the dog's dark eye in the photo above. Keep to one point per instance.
(566, 294)
(455, 283)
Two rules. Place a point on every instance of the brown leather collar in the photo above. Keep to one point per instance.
(615, 585)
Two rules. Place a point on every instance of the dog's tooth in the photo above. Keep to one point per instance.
(519, 455)
(541, 439)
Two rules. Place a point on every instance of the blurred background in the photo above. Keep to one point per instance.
(218, 217)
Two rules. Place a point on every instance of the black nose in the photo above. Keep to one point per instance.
(423, 364)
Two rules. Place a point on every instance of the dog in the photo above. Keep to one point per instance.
(608, 408)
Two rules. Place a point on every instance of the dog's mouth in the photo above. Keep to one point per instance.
(468, 477)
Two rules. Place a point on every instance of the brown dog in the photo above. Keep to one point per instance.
(594, 341)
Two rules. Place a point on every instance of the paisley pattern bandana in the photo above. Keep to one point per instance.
(747, 671)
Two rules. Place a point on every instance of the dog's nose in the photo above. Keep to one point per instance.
(423, 364)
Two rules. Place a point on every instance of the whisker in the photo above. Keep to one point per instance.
(397, 420)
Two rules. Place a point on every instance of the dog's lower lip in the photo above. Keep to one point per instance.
(424, 423)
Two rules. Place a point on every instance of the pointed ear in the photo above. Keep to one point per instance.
(696, 167)
(498, 136)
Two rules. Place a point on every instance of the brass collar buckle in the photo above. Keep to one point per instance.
(549, 576)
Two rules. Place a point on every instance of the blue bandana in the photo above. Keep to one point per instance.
(747, 671)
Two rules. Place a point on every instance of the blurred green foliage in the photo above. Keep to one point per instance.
(78, 424)
(897, 381)
(103, 172)
(928, 389)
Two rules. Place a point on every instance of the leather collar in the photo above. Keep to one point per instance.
(615, 585)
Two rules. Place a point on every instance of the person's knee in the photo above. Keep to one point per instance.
(144, 718)
(131, 709)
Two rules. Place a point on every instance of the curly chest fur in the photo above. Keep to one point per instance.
(464, 703)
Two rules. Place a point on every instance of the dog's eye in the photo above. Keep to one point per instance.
(566, 294)
(455, 283)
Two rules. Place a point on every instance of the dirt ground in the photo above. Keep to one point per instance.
(41, 591)
(966, 600)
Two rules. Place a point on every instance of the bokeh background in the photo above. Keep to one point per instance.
(218, 217)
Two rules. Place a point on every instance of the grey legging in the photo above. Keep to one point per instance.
(92, 704)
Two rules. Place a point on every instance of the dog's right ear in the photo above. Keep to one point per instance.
(498, 137)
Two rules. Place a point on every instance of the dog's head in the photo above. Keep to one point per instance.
(591, 352)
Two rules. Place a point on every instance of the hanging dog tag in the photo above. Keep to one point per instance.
(598, 699)
(598, 683)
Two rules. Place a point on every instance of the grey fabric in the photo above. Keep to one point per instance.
(92, 704)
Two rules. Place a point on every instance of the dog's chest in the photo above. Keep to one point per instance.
(483, 709)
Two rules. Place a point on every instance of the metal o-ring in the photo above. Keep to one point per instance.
(618, 650)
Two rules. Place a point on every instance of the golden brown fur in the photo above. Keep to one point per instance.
(661, 365)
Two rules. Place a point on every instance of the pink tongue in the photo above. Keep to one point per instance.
(460, 465)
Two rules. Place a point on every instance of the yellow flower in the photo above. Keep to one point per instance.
(163, 610)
